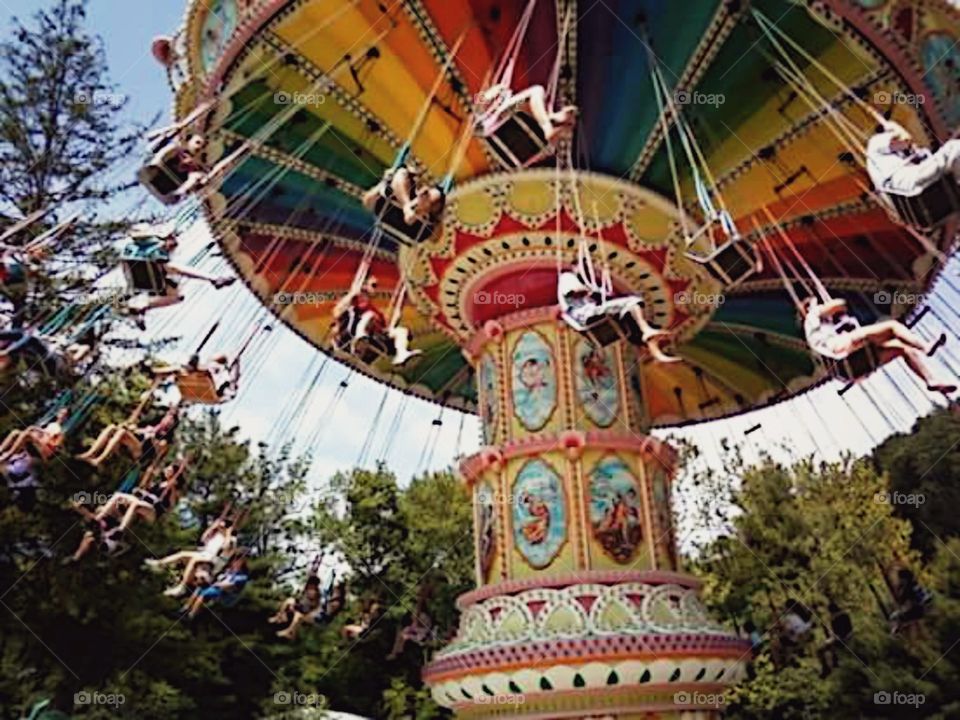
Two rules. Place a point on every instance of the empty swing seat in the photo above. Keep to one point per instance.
(144, 265)
(518, 141)
(197, 386)
(932, 206)
(731, 263)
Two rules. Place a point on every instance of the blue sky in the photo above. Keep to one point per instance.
(819, 422)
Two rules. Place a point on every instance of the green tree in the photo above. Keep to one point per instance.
(924, 471)
(816, 535)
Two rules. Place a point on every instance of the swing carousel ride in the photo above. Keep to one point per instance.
(716, 170)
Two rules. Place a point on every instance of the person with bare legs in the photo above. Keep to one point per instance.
(833, 333)
(171, 293)
(45, 440)
(146, 503)
(581, 304)
(225, 588)
(402, 188)
(217, 545)
(137, 440)
(499, 100)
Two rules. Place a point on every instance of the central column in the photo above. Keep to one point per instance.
(579, 609)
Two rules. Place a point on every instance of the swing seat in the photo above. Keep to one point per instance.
(160, 179)
(196, 386)
(857, 365)
(371, 348)
(606, 330)
(932, 206)
(144, 265)
(393, 224)
(731, 263)
(518, 141)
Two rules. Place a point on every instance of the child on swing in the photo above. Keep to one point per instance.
(419, 204)
(44, 440)
(143, 443)
(217, 545)
(581, 304)
(171, 293)
(499, 100)
(897, 165)
(832, 332)
(357, 318)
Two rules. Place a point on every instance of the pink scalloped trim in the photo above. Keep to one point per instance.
(583, 650)
(584, 577)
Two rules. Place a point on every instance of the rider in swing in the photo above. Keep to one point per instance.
(357, 317)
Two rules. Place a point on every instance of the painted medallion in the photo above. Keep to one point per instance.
(596, 382)
(218, 27)
(539, 513)
(615, 511)
(534, 381)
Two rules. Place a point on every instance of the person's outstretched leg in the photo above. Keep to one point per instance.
(657, 353)
(283, 613)
(401, 340)
(100, 443)
(647, 332)
(174, 559)
(11, 444)
(917, 362)
(290, 632)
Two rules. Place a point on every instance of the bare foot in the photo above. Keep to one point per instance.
(648, 333)
(410, 213)
(566, 116)
(285, 634)
(657, 353)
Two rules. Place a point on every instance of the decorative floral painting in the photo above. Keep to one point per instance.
(489, 392)
(615, 509)
(539, 513)
(941, 59)
(596, 382)
(486, 529)
(534, 381)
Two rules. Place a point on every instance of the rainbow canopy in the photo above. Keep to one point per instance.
(329, 90)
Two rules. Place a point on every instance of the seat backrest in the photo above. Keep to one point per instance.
(518, 140)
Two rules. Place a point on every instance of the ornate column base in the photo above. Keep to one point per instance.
(623, 644)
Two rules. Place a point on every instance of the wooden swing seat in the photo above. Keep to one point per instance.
(197, 386)
(144, 265)
(159, 177)
(731, 263)
(856, 366)
(518, 141)
(607, 330)
(371, 348)
(932, 206)
(393, 224)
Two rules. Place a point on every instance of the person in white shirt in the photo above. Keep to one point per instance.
(217, 545)
(580, 305)
(833, 333)
(898, 166)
